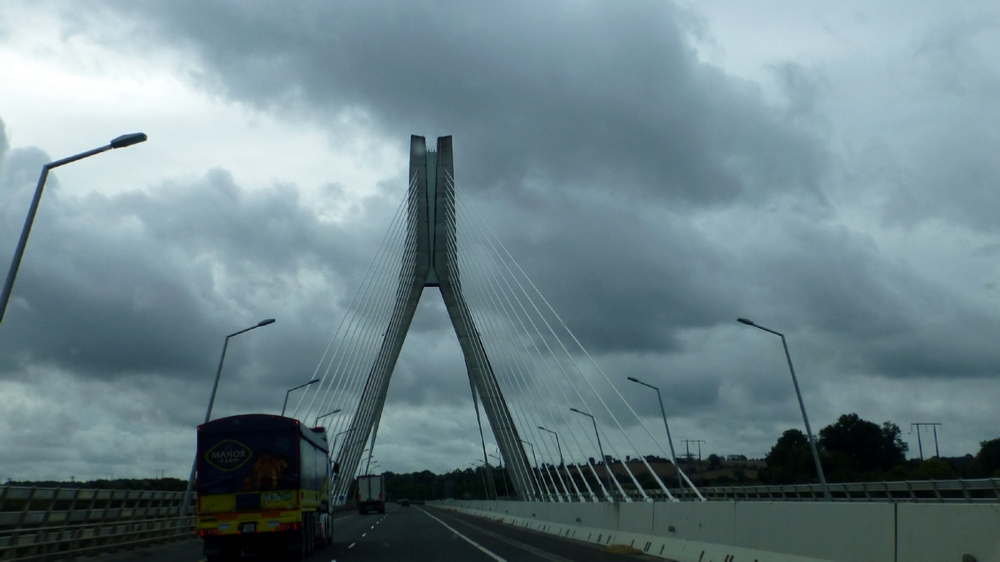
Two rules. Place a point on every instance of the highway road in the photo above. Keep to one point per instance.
(417, 533)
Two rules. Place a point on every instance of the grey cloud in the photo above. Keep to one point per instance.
(593, 95)
(932, 155)
(149, 281)
(4, 145)
(884, 318)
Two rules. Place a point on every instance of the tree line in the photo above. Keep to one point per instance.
(856, 450)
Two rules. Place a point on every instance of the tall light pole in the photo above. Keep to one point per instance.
(476, 466)
(673, 456)
(15, 264)
(538, 472)
(802, 406)
(208, 413)
(558, 447)
(561, 462)
(506, 490)
(325, 415)
(289, 391)
(334, 445)
(604, 460)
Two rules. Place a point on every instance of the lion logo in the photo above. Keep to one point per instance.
(264, 474)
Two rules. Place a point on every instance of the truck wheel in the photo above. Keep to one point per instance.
(311, 539)
(230, 551)
(324, 532)
(297, 546)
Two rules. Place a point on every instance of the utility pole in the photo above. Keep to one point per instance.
(687, 446)
(920, 446)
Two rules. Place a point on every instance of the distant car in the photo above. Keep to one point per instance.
(404, 503)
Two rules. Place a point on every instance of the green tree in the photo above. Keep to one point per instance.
(894, 448)
(870, 448)
(987, 461)
(714, 461)
(790, 460)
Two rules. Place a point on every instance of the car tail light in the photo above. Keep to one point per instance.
(290, 526)
(208, 532)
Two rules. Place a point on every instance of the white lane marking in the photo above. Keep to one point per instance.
(467, 539)
(363, 535)
(352, 545)
(537, 552)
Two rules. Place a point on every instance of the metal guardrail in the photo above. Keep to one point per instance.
(966, 491)
(51, 523)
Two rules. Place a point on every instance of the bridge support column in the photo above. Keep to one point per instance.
(432, 233)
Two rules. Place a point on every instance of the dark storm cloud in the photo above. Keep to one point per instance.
(625, 277)
(4, 145)
(882, 315)
(151, 281)
(561, 109)
(594, 94)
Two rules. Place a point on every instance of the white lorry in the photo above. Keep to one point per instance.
(371, 493)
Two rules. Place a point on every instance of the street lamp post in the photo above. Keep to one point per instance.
(538, 473)
(558, 447)
(562, 462)
(802, 406)
(673, 456)
(476, 466)
(604, 460)
(334, 445)
(325, 415)
(289, 391)
(15, 264)
(211, 402)
(499, 459)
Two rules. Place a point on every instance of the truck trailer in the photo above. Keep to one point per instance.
(371, 493)
(263, 485)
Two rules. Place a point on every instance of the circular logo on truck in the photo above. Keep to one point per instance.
(228, 455)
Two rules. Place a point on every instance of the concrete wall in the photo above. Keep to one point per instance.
(948, 531)
(769, 531)
(862, 532)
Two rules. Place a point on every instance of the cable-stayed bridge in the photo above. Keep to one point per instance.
(557, 421)
(553, 413)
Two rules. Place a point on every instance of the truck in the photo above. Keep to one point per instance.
(371, 493)
(263, 484)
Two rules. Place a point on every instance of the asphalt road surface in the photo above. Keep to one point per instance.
(418, 533)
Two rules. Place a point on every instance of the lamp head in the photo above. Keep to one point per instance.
(633, 379)
(745, 321)
(128, 140)
(265, 322)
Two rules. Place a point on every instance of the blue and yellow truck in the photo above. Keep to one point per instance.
(263, 486)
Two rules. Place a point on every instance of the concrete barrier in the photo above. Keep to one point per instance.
(856, 532)
(722, 531)
(948, 531)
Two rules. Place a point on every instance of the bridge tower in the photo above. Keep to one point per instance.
(433, 262)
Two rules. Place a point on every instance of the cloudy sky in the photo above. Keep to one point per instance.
(659, 169)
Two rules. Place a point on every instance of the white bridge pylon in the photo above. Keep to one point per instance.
(525, 367)
(430, 238)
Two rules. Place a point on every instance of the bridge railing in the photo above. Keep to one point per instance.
(49, 523)
(971, 490)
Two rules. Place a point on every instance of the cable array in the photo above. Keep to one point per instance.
(565, 414)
